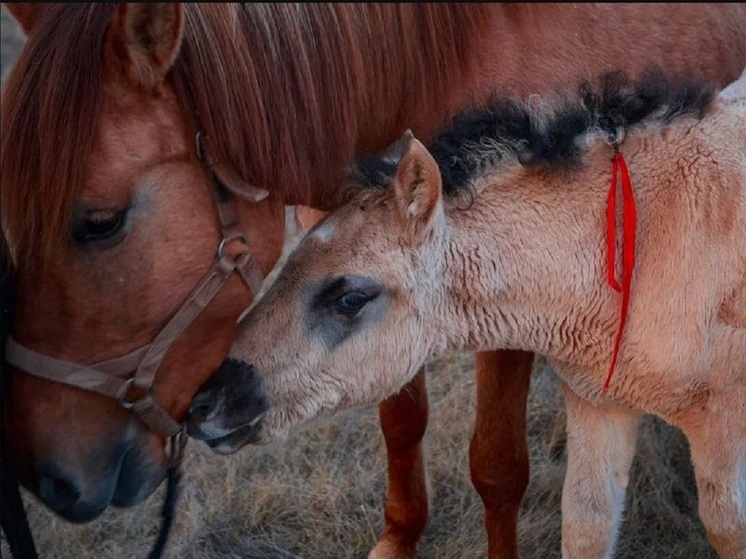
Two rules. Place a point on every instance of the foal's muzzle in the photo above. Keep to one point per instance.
(228, 411)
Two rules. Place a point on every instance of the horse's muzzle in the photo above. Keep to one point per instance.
(228, 411)
(63, 494)
(132, 475)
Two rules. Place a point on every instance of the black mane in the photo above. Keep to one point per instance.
(509, 129)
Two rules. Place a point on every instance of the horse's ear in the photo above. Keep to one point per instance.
(143, 41)
(27, 15)
(417, 190)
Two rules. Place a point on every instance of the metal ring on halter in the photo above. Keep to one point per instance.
(198, 146)
(176, 447)
(616, 137)
(237, 236)
(122, 394)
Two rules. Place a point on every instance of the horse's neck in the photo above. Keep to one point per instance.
(526, 268)
(339, 80)
(417, 78)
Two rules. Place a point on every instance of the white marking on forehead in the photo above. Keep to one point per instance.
(324, 231)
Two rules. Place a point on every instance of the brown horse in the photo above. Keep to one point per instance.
(109, 215)
(497, 237)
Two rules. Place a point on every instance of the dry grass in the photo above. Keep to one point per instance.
(320, 494)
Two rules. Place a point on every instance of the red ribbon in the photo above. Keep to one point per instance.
(629, 215)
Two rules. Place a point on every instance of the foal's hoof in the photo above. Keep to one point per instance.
(386, 549)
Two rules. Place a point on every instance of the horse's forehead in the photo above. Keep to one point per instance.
(135, 132)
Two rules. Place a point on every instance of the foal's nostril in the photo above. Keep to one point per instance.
(57, 490)
(200, 406)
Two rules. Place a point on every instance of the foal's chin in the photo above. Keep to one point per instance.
(235, 441)
(261, 431)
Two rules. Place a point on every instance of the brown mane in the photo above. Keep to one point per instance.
(49, 101)
(257, 77)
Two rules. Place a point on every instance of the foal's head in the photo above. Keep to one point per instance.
(352, 307)
(110, 223)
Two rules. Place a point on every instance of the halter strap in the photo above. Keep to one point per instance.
(110, 378)
(105, 378)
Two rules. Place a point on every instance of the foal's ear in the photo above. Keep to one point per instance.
(417, 190)
(395, 152)
(27, 15)
(143, 41)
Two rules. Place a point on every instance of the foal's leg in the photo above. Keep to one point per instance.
(600, 448)
(717, 437)
(498, 455)
(403, 421)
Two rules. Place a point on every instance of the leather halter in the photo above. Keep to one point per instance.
(113, 377)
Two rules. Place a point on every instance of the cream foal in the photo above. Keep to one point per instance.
(514, 255)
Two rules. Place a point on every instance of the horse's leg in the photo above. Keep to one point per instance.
(403, 421)
(498, 455)
(600, 448)
(717, 438)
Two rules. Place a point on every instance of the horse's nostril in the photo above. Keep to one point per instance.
(57, 490)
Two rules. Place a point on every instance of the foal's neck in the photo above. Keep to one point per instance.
(526, 269)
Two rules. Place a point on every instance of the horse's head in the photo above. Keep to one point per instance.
(349, 319)
(111, 222)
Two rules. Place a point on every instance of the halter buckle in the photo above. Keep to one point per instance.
(176, 447)
(237, 236)
(123, 392)
(198, 146)
(615, 137)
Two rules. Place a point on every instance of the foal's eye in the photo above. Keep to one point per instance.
(98, 225)
(354, 301)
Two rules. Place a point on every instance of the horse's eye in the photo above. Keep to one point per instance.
(353, 301)
(98, 225)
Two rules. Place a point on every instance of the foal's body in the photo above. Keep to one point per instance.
(527, 266)
(524, 267)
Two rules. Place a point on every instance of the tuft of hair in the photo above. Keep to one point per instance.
(507, 130)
